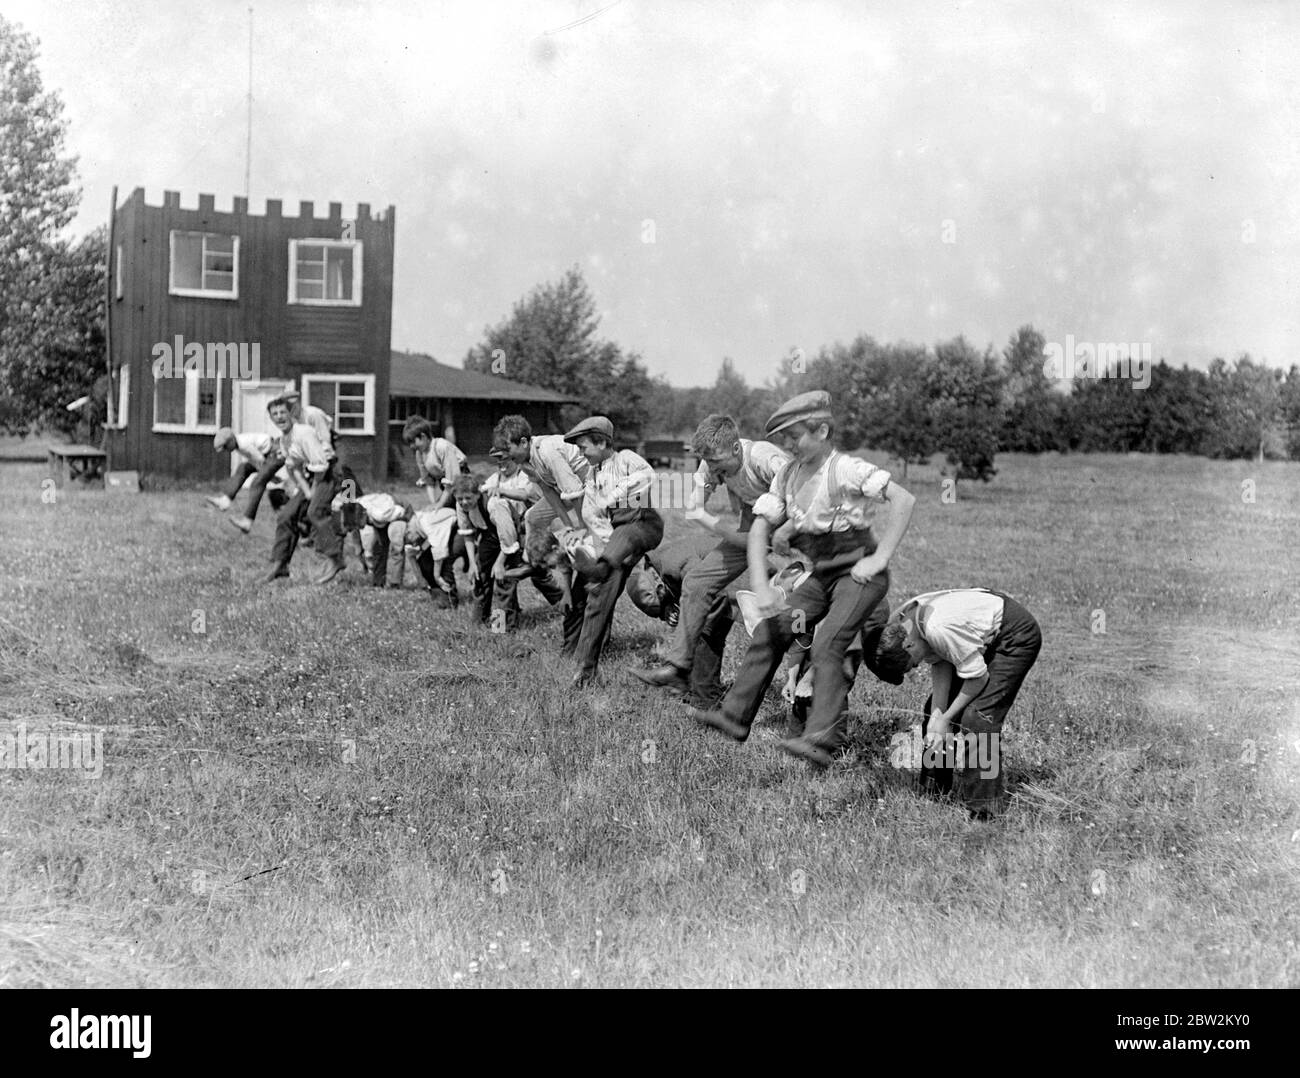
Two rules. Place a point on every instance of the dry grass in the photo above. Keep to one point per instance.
(339, 787)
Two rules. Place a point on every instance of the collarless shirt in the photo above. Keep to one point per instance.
(840, 496)
(622, 480)
(958, 624)
(254, 448)
(302, 447)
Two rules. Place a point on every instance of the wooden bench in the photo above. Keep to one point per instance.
(83, 462)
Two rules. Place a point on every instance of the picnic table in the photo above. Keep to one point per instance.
(83, 462)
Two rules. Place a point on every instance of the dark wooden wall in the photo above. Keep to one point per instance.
(295, 340)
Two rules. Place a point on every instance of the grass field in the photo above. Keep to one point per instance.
(342, 787)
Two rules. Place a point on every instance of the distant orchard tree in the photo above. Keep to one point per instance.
(965, 394)
(1033, 403)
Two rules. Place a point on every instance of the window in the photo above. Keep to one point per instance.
(205, 264)
(325, 273)
(189, 405)
(122, 381)
(117, 272)
(348, 399)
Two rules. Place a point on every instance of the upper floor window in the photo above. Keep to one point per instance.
(204, 264)
(325, 273)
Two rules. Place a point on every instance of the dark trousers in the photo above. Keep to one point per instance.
(831, 597)
(326, 533)
(853, 660)
(980, 782)
(625, 548)
(455, 552)
(503, 593)
(287, 522)
(706, 661)
(262, 476)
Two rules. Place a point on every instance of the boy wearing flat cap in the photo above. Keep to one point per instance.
(828, 503)
(746, 468)
(980, 645)
(616, 510)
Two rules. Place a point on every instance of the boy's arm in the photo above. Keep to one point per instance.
(768, 599)
(941, 722)
(899, 505)
(562, 508)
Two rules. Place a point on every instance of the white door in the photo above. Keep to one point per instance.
(248, 407)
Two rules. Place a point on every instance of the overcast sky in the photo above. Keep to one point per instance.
(806, 171)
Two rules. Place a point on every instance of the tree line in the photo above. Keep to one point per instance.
(910, 401)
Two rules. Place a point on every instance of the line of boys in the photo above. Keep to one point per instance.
(810, 499)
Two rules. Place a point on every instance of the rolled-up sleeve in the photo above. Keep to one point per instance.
(771, 506)
(865, 477)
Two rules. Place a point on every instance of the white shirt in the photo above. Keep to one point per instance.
(840, 496)
(301, 447)
(558, 464)
(958, 625)
(444, 460)
(255, 448)
(622, 480)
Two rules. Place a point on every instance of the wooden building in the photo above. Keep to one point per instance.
(463, 405)
(215, 312)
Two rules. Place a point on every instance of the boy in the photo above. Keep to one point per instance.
(746, 468)
(560, 471)
(319, 421)
(557, 467)
(980, 645)
(656, 588)
(380, 521)
(488, 527)
(433, 533)
(438, 460)
(311, 468)
(615, 507)
(830, 498)
(262, 460)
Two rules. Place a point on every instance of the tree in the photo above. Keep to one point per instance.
(965, 393)
(1033, 407)
(1247, 404)
(550, 340)
(44, 326)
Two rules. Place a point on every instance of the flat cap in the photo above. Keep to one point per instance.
(596, 424)
(811, 407)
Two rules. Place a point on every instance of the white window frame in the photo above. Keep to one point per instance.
(368, 379)
(191, 424)
(201, 293)
(123, 397)
(357, 252)
(118, 290)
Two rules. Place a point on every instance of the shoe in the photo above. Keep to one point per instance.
(219, 502)
(668, 677)
(583, 681)
(806, 750)
(242, 523)
(273, 576)
(718, 721)
(336, 566)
